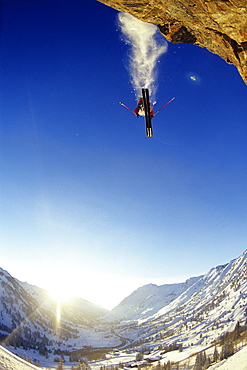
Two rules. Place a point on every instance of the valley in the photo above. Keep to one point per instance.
(155, 323)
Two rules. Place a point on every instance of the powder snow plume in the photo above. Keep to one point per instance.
(146, 48)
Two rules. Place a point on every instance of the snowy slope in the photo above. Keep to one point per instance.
(148, 300)
(200, 314)
(86, 308)
(30, 316)
(235, 362)
(151, 301)
(195, 312)
(8, 361)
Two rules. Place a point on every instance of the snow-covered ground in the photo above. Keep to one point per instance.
(195, 312)
(9, 361)
(189, 316)
(235, 362)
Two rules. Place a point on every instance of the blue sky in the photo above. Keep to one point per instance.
(86, 200)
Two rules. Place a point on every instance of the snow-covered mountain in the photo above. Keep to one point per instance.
(148, 300)
(28, 317)
(12, 362)
(197, 311)
(202, 309)
(87, 310)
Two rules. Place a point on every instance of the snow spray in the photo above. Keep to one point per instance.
(145, 50)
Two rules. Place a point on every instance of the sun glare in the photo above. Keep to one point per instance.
(65, 281)
(59, 295)
(58, 282)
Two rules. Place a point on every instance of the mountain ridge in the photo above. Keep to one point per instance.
(142, 300)
(196, 311)
(216, 302)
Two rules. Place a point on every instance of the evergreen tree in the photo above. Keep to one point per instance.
(158, 366)
(60, 365)
(207, 363)
(215, 355)
(139, 356)
(227, 350)
(197, 365)
(237, 330)
(169, 365)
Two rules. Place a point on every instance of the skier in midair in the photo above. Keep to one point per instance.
(144, 108)
(140, 109)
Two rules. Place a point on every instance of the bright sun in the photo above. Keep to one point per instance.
(59, 286)
(64, 281)
(59, 295)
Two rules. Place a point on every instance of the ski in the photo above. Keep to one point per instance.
(144, 109)
(145, 95)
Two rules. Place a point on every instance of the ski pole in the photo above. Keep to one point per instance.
(125, 106)
(165, 105)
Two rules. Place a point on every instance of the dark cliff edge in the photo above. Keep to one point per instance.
(218, 25)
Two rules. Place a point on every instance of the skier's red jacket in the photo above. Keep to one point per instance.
(140, 106)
